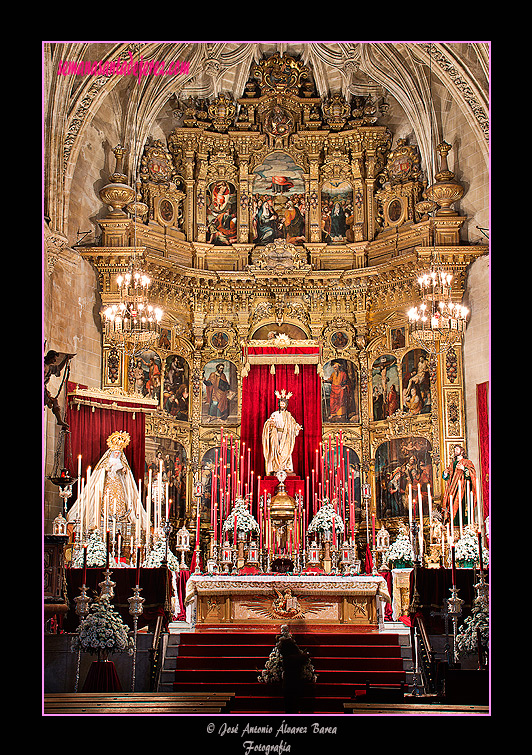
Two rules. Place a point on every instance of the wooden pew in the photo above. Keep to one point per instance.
(417, 709)
(138, 703)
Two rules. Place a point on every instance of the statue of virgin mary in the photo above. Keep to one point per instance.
(111, 483)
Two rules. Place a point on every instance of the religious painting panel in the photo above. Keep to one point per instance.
(176, 387)
(398, 338)
(337, 211)
(165, 339)
(340, 392)
(219, 392)
(221, 213)
(415, 378)
(403, 472)
(278, 208)
(144, 374)
(166, 467)
(385, 386)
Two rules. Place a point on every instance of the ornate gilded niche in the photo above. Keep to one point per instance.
(162, 189)
(402, 187)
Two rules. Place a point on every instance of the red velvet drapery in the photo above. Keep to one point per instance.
(483, 443)
(259, 401)
(90, 429)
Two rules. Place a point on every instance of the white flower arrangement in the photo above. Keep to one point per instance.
(466, 548)
(157, 555)
(96, 553)
(245, 521)
(323, 521)
(467, 639)
(400, 550)
(103, 630)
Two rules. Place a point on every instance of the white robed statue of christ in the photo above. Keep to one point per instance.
(111, 483)
(279, 436)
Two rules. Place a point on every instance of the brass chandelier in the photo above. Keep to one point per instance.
(437, 322)
(134, 322)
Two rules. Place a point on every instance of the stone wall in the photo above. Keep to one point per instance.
(476, 347)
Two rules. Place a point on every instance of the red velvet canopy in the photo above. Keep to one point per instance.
(259, 401)
(90, 429)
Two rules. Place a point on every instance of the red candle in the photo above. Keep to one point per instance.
(453, 566)
(84, 582)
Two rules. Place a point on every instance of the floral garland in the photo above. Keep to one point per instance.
(400, 550)
(323, 521)
(273, 670)
(245, 521)
(466, 548)
(102, 630)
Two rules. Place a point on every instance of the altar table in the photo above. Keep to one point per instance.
(300, 600)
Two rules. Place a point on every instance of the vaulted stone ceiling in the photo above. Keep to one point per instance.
(418, 88)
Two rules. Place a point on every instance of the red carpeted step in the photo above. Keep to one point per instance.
(231, 662)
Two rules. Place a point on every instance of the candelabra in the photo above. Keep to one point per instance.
(135, 609)
(107, 587)
(454, 609)
(166, 528)
(82, 609)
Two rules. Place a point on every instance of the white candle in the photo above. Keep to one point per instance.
(410, 505)
(79, 467)
(460, 508)
(460, 503)
(148, 524)
(429, 496)
(167, 502)
(114, 520)
(82, 503)
(105, 511)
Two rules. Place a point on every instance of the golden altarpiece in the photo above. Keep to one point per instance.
(285, 216)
